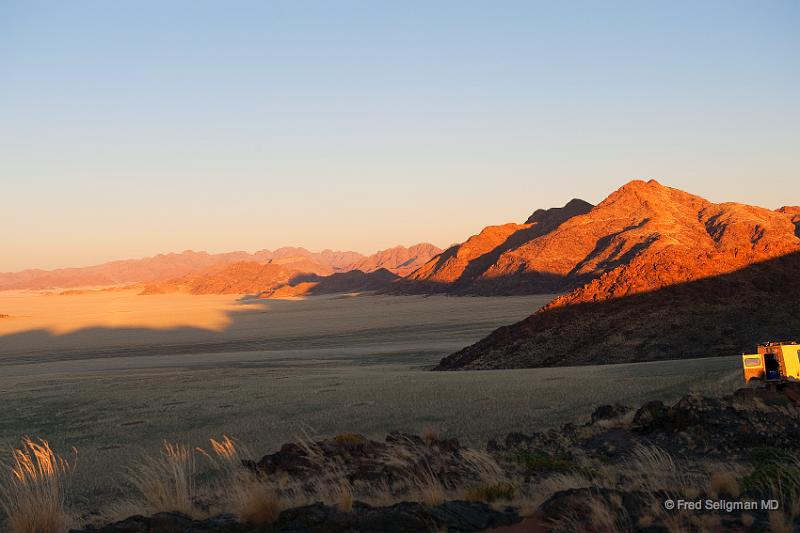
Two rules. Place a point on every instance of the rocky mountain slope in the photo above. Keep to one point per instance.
(400, 260)
(501, 260)
(244, 277)
(292, 276)
(683, 277)
(339, 282)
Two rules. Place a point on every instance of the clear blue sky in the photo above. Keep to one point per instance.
(132, 128)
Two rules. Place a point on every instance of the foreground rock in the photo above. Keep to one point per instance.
(742, 447)
(364, 460)
(399, 518)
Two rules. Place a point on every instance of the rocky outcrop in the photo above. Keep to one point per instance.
(754, 432)
(364, 459)
(684, 278)
(729, 427)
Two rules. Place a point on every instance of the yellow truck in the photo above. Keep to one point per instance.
(775, 361)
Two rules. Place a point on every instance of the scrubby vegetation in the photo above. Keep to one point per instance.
(614, 473)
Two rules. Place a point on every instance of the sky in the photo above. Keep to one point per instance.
(133, 128)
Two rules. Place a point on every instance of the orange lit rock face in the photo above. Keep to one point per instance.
(672, 275)
(489, 262)
(640, 225)
(678, 237)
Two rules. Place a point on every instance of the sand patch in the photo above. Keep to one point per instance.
(68, 312)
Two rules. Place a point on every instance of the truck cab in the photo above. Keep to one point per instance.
(775, 361)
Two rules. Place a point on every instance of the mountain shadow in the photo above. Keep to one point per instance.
(338, 283)
(714, 316)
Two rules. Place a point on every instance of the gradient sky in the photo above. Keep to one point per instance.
(132, 128)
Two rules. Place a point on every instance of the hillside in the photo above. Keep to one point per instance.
(244, 277)
(483, 265)
(399, 260)
(683, 277)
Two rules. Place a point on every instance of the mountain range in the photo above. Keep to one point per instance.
(186, 269)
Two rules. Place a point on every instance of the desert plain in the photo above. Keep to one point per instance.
(113, 373)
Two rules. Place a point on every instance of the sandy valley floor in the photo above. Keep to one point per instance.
(113, 373)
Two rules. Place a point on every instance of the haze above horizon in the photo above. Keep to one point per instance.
(128, 130)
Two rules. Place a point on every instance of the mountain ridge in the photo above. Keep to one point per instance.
(174, 265)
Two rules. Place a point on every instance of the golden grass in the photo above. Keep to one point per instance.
(165, 482)
(250, 498)
(335, 488)
(33, 493)
(427, 488)
(492, 483)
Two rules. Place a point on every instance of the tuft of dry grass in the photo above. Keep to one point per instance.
(332, 484)
(251, 499)
(652, 469)
(166, 481)
(333, 487)
(492, 482)
(427, 488)
(256, 503)
(604, 516)
(33, 491)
